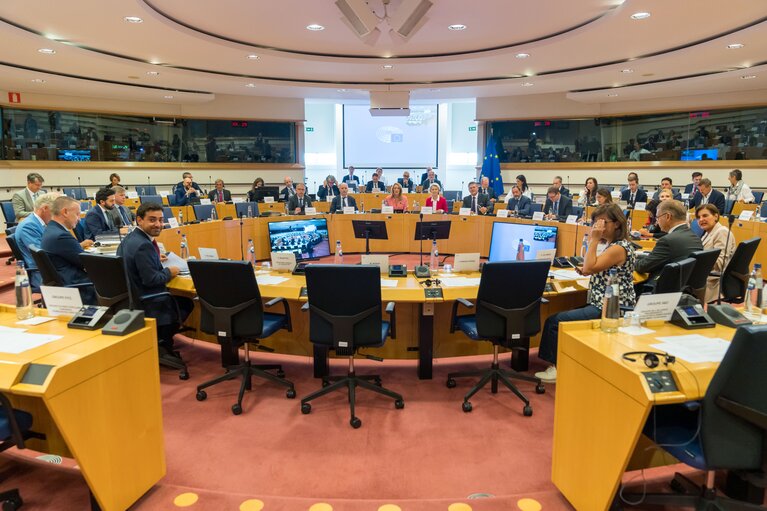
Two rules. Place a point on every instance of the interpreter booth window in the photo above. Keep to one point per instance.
(240, 141)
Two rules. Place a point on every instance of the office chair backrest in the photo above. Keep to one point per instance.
(730, 442)
(537, 206)
(146, 190)
(80, 230)
(344, 291)
(85, 205)
(241, 208)
(728, 204)
(697, 229)
(578, 211)
(758, 196)
(76, 192)
(48, 273)
(674, 276)
(167, 212)
(108, 276)
(704, 263)
(14, 246)
(229, 298)
(734, 280)
(150, 198)
(202, 211)
(528, 279)
(450, 194)
(8, 213)
(763, 210)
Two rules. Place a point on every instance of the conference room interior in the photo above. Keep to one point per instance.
(557, 93)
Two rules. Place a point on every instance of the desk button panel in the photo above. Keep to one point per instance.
(660, 381)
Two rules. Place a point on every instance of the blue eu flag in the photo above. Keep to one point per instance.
(491, 167)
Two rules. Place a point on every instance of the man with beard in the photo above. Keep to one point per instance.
(100, 219)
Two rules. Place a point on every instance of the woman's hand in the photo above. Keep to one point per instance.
(598, 230)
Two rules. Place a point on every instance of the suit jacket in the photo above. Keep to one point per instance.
(564, 191)
(322, 192)
(22, 204)
(182, 199)
(672, 247)
(147, 276)
(523, 204)
(293, 204)
(716, 198)
(30, 232)
(380, 187)
(180, 185)
(425, 184)
(489, 191)
(688, 188)
(410, 184)
(64, 250)
(336, 207)
(565, 207)
(213, 195)
(122, 216)
(717, 238)
(639, 196)
(286, 193)
(482, 200)
(96, 223)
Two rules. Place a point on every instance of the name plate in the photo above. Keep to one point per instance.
(268, 200)
(61, 300)
(349, 210)
(538, 215)
(640, 206)
(655, 306)
(381, 261)
(208, 253)
(283, 261)
(571, 219)
(205, 202)
(546, 254)
(164, 193)
(173, 222)
(464, 211)
(238, 200)
(310, 211)
(131, 195)
(329, 198)
(745, 215)
(387, 210)
(427, 210)
(502, 213)
(685, 196)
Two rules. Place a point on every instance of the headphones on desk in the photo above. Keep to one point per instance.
(651, 358)
(430, 282)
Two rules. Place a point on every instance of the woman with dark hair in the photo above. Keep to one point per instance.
(739, 191)
(522, 184)
(258, 183)
(589, 195)
(114, 180)
(608, 226)
(604, 197)
(714, 236)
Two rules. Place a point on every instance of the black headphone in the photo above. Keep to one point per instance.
(430, 282)
(651, 358)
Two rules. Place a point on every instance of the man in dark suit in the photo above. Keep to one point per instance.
(343, 200)
(187, 193)
(558, 183)
(147, 276)
(633, 193)
(289, 190)
(121, 214)
(219, 193)
(557, 207)
(667, 184)
(478, 203)
(486, 189)
(64, 250)
(692, 188)
(351, 180)
(328, 189)
(374, 185)
(100, 219)
(180, 184)
(519, 203)
(678, 244)
(707, 195)
(298, 203)
(431, 178)
(408, 185)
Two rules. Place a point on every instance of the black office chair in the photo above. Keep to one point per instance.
(8, 213)
(48, 274)
(347, 322)
(734, 279)
(704, 262)
(111, 286)
(673, 277)
(235, 315)
(241, 208)
(202, 212)
(505, 319)
(15, 429)
(18, 256)
(723, 431)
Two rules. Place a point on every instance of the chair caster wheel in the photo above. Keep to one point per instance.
(236, 409)
(466, 406)
(677, 487)
(378, 382)
(399, 404)
(325, 383)
(183, 375)
(201, 395)
(291, 393)
(355, 422)
(306, 408)
(527, 411)
(540, 389)
(280, 373)
(450, 383)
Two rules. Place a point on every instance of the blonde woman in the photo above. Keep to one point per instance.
(396, 200)
(435, 200)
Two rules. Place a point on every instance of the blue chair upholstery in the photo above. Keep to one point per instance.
(674, 427)
(202, 211)
(8, 213)
(80, 230)
(167, 212)
(763, 210)
(150, 198)
(146, 190)
(468, 325)
(23, 419)
(76, 192)
(537, 207)
(694, 227)
(273, 323)
(758, 196)
(85, 205)
(241, 208)
(577, 211)
(728, 204)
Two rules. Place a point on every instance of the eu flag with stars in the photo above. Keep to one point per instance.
(491, 167)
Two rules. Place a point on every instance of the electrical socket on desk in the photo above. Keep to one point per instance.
(428, 309)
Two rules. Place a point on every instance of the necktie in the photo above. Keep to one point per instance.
(474, 203)
(110, 222)
(556, 207)
(124, 214)
(220, 196)
(300, 203)
(156, 247)
(631, 200)
(344, 204)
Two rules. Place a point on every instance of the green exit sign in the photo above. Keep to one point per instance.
(309, 129)
(472, 128)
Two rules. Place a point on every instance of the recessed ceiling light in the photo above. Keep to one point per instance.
(133, 19)
(457, 27)
(434, 90)
(251, 85)
(640, 15)
(748, 77)
(734, 46)
(314, 27)
(612, 95)
(341, 90)
(627, 70)
(387, 66)
(526, 84)
(38, 80)
(47, 51)
(388, 79)
(153, 73)
(168, 97)
(522, 55)
(253, 56)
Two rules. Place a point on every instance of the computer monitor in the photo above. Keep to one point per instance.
(307, 239)
(505, 238)
(267, 191)
(74, 155)
(697, 154)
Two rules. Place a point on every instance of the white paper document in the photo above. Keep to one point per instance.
(635, 330)
(270, 280)
(37, 320)
(571, 219)
(693, 348)
(565, 274)
(174, 260)
(205, 202)
(388, 283)
(7, 329)
(19, 342)
(459, 281)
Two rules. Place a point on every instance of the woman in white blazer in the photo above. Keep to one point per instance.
(714, 236)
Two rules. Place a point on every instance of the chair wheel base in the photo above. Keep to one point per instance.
(527, 411)
(466, 406)
(11, 500)
(183, 375)
(355, 422)
(399, 404)
(451, 383)
(280, 373)
(236, 409)
(201, 395)
(540, 389)
(291, 394)
(306, 408)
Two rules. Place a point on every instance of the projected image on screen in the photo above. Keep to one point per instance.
(394, 142)
(307, 239)
(505, 241)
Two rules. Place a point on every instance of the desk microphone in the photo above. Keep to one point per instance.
(242, 249)
(421, 270)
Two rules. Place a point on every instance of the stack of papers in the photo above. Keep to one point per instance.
(174, 260)
(388, 283)
(17, 341)
(460, 282)
(269, 280)
(693, 348)
(565, 274)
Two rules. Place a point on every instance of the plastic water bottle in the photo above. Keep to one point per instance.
(521, 250)
(434, 260)
(585, 246)
(184, 247)
(213, 214)
(611, 310)
(339, 258)
(250, 211)
(516, 209)
(180, 217)
(23, 293)
(251, 252)
(362, 206)
(756, 288)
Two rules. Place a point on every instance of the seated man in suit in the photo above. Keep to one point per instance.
(374, 185)
(692, 188)
(187, 193)
(180, 184)
(100, 218)
(219, 193)
(707, 195)
(63, 249)
(633, 193)
(343, 200)
(558, 183)
(147, 276)
(30, 232)
(329, 189)
(635, 176)
(381, 178)
(678, 244)
(289, 190)
(666, 184)
(521, 205)
(298, 203)
(431, 178)
(351, 180)
(408, 186)
(486, 189)
(557, 207)
(121, 214)
(478, 203)
(24, 201)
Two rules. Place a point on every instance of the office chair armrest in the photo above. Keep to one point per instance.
(390, 308)
(305, 307)
(286, 306)
(692, 405)
(458, 301)
(154, 296)
(80, 284)
(392, 320)
(715, 274)
(463, 301)
(16, 434)
(544, 300)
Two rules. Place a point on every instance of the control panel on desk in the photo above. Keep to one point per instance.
(660, 381)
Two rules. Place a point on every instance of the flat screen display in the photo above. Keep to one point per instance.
(74, 155)
(307, 239)
(506, 239)
(698, 154)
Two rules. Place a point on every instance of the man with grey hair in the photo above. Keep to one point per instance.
(678, 244)
(24, 201)
(30, 232)
(120, 213)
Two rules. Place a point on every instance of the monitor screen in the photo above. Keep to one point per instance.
(699, 154)
(267, 191)
(308, 239)
(505, 241)
(74, 155)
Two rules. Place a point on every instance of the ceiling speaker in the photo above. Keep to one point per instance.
(408, 15)
(390, 103)
(359, 15)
